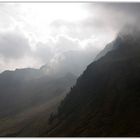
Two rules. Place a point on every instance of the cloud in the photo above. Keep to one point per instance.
(43, 52)
(63, 45)
(61, 54)
(13, 45)
(114, 16)
(15, 51)
(70, 55)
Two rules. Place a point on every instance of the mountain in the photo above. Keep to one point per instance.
(11, 86)
(106, 98)
(109, 47)
(26, 93)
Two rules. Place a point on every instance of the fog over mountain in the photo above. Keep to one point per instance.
(69, 69)
(63, 42)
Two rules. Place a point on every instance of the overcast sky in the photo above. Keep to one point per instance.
(64, 36)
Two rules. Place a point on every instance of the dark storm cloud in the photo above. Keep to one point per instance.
(114, 15)
(130, 8)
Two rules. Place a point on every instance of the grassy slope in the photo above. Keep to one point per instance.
(30, 122)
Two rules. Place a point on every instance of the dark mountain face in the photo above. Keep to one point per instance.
(109, 47)
(106, 98)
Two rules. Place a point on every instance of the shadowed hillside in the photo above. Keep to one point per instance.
(106, 98)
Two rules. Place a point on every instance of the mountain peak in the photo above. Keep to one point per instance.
(129, 32)
(127, 39)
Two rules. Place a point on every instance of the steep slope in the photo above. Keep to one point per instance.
(109, 47)
(106, 98)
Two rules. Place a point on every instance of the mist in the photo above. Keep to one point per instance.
(69, 69)
(59, 43)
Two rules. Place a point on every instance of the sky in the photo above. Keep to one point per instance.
(65, 37)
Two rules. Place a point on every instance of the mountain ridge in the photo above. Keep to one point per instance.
(105, 100)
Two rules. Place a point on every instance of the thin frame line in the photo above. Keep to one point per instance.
(69, 1)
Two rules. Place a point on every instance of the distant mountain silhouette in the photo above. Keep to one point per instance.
(106, 98)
